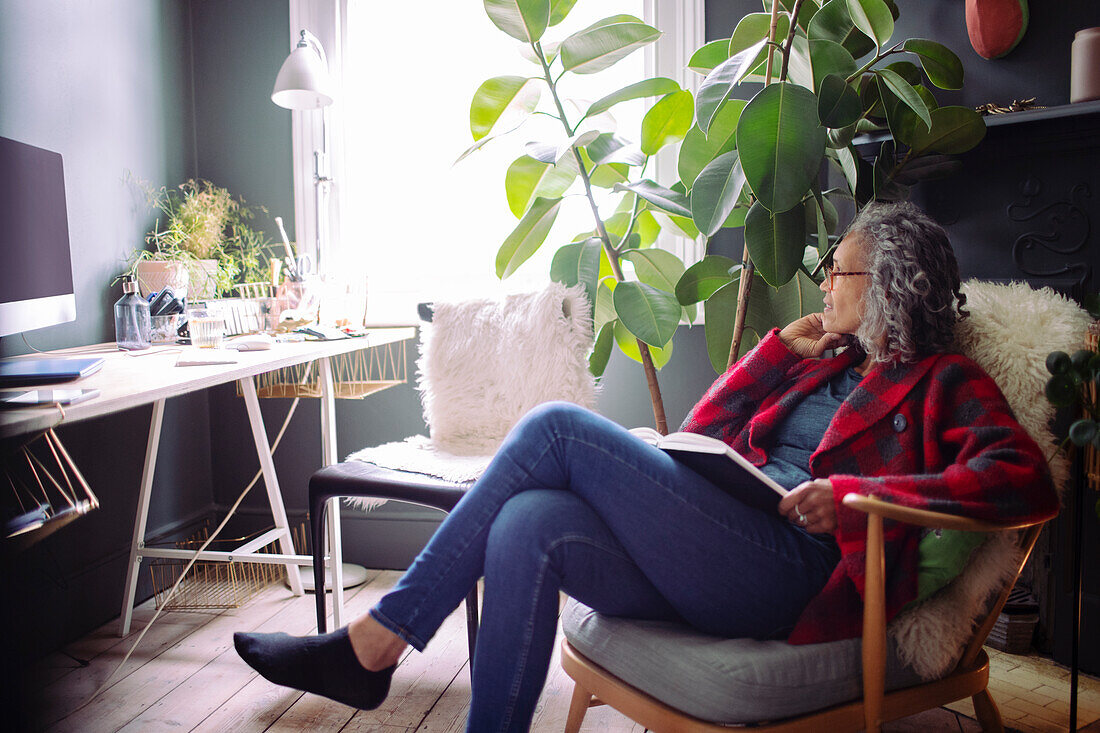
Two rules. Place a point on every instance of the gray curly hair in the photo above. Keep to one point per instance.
(913, 298)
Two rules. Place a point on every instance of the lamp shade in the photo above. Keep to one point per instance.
(303, 81)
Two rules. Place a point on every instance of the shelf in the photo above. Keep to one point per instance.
(1080, 109)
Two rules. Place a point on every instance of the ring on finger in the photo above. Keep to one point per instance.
(801, 516)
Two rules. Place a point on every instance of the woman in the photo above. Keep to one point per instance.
(573, 502)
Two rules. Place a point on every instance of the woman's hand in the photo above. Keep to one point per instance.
(810, 506)
(806, 338)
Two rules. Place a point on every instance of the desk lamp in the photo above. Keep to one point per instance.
(304, 84)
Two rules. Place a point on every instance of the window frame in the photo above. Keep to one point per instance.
(682, 23)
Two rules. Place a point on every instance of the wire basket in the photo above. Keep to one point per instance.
(215, 585)
(47, 490)
(355, 375)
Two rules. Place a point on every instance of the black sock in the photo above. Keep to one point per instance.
(324, 665)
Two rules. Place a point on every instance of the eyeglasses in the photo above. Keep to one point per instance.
(831, 272)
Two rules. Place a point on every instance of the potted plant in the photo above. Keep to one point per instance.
(754, 164)
(203, 242)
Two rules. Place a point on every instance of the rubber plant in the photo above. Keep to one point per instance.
(590, 163)
(830, 71)
(753, 163)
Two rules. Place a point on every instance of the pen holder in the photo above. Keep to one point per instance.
(300, 297)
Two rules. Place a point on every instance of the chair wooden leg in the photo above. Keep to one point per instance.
(989, 717)
(578, 706)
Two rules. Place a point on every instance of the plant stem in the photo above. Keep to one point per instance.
(659, 418)
(790, 39)
(867, 66)
(744, 287)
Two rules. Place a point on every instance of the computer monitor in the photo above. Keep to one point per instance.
(36, 274)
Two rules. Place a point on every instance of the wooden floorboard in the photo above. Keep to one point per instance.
(185, 676)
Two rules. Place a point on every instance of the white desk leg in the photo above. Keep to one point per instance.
(138, 542)
(328, 457)
(274, 496)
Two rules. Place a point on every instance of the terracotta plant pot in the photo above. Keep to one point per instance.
(153, 275)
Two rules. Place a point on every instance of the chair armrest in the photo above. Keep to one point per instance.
(925, 517)
(874, 595)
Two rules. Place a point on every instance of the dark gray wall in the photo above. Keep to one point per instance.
(107, 85)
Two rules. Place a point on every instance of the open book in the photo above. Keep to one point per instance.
(716, 461)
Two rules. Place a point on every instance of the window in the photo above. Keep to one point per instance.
(419, 226)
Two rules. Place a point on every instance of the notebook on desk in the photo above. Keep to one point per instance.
(24, 372)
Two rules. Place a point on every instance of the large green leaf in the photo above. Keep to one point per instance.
(628, 344)
(847, 158)
(667, 121)
(611, 148)
(954, 130)
(841, 137)
(657, 267)
(776, 242)
(903, 91)
(578, 263)
(709, 55)
(873, 18)
(716, 191)
(601, 349)
(647, 312)
(527, 237)
(502, 97)
(609, 175)
(559, 9)
(523, 20)
(720, 82)
(778, 307)
(719, 313)
(604, 310)
(781, 144)
(700, 148)
(605, 42)
(805, 13)
(940, 63)
(837, 102)
(833, 23)
(753, 28)
(701, 280)
(528, 179)
(829, 57)
(663, 198)
(676, 225)
(657, 87)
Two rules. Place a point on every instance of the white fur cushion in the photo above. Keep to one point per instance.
(1009, 333)
(483, 365)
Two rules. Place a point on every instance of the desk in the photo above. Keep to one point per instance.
(133, 379)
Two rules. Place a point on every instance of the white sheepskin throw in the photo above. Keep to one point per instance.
(1009, 333)
(483, 365)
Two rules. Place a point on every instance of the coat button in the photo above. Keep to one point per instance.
(900, 423)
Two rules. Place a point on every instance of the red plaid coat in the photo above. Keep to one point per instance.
(936, 434)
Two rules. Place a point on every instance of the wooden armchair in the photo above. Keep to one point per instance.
(671, 678)
(595, 685)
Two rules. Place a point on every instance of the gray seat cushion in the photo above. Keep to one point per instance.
(724, 680)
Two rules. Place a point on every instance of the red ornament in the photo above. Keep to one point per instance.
(995, 26)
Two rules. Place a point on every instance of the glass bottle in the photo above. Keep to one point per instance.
(132, 325)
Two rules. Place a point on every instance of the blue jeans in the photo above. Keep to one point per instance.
(573, 502)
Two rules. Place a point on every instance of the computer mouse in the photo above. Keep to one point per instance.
(252, 342)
